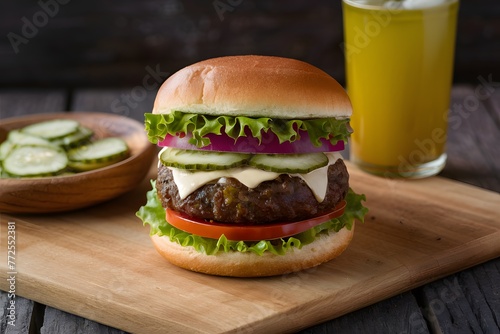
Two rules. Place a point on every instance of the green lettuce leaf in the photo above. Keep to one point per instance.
(176, 123)
(153, 214)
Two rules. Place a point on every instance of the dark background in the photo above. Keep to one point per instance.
(98, 43)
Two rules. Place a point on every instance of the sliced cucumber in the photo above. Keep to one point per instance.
(202, 160)
(289, 163)
(82, 135)
(31, 161)
(53, 129)
(17, 138)
(5, 148)
(97, 154)
(20, 138)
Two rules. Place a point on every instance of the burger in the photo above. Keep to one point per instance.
(251, 180)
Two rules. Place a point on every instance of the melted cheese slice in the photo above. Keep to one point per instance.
(188, 181)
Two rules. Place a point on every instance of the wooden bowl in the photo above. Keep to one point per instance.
(63, 193)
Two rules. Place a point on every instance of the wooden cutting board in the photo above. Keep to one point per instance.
(100, 264)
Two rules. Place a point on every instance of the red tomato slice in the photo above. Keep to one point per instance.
(214, 230)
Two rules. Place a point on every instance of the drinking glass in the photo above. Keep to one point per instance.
(399, 68)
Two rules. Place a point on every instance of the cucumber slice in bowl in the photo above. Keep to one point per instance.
(98, 154)
(81, 136)
(35, 161)
(20, 138)
(5, 149)
(289, 163)
(53, 129)
(17, 138)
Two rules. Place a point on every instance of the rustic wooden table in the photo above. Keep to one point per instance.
(465, 302)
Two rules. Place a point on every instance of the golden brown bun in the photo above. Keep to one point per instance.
(253, 86)
(236, 264)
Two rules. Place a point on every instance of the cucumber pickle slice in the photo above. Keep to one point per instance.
(210, 160)
(32, 161)
(53, 129)
(20, 138)
(97, 154)
(202, 160)
(289, 163)
(82, 135)
(5, 149)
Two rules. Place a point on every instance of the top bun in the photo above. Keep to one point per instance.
(254, 86)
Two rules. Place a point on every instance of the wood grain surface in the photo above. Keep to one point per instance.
(99, 263)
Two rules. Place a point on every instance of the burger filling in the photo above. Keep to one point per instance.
(227, 200)
(234, 195)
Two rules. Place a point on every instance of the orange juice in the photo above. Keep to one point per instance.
(399, 64)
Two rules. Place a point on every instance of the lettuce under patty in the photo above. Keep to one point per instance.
(153, 214)
(177, 123)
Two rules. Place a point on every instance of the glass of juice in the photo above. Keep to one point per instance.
(399, 68)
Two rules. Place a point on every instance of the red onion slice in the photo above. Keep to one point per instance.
(270, 144)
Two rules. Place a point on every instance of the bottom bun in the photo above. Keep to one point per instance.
(236, 264)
